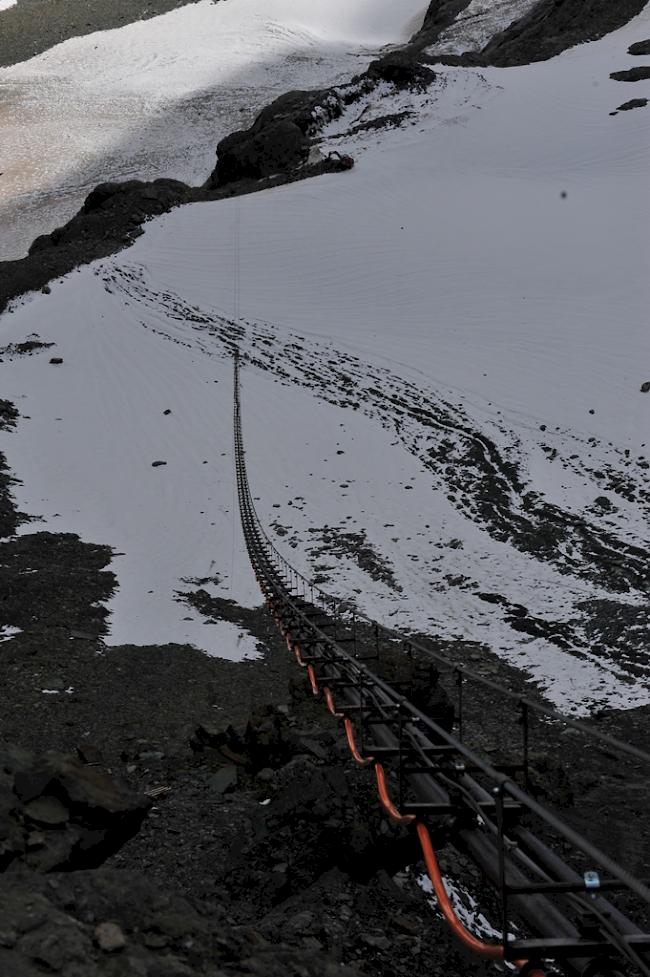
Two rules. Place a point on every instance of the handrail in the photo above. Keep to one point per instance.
(422, 732)
(539, 708)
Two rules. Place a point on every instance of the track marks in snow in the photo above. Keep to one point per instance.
(478, 465)
(482, 471)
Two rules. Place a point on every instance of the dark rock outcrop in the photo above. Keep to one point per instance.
(160, 194)
(549, 28)
(320, 809)
(254, 153)
(277, 142)
(440, 15)
(58, 814)
(110, 219)
(552, 26)
(119, 208)
(401, 70)
(638, 73)
(639, 48)
(634, 103)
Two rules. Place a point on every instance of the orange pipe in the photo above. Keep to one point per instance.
(385, 798)
(329, 699)
(491, 950)
(349, 732)
(312, 679)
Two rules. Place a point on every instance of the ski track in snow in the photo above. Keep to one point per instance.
(416, 391)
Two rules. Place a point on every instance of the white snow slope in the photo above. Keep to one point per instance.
(153, 98)
(446, 363)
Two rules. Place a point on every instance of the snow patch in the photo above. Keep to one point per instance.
(465, 906)
(7, 632)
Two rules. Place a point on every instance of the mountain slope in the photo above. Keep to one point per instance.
(442, 413)
(153, 98)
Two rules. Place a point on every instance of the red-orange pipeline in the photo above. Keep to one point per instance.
(491, 950)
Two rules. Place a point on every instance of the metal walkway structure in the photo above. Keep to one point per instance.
(427, 777)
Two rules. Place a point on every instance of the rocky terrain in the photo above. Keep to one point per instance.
(171, 814)
(166, 814)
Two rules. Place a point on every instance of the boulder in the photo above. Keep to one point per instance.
(402, 71)
(164, 192)
(267, 742)
(251, 155)
(278, 140)
(639, 73)
(58, 813)
(639, 48)
(634, 103)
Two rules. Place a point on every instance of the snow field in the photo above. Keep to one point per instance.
(153, 98)
(95, 425)
(448, 261)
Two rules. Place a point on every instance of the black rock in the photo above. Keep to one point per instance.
(278, 140)
(640, 73)
(81, 816)
(552, 26)
(163, 192)
(277, 147)
(639, 47)
(634, 103)
(402, 70)
(223, 780)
